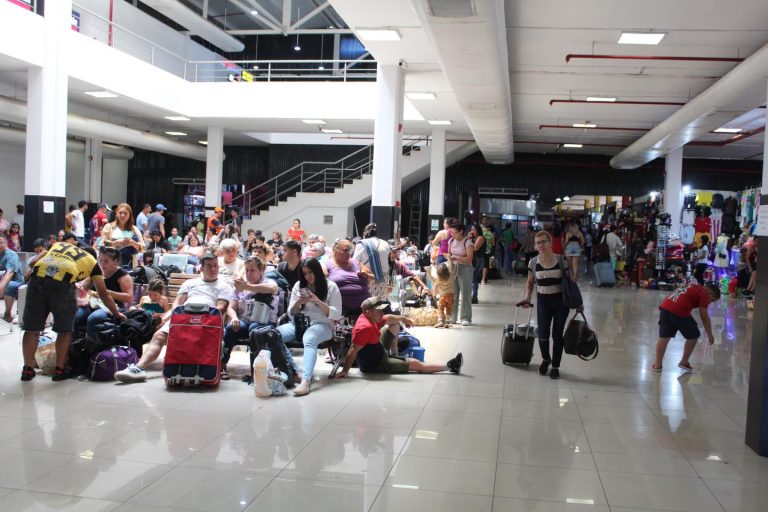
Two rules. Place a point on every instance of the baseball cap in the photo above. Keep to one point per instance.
(160, 206)
(105, 205)
(376, 303)
(218, 209)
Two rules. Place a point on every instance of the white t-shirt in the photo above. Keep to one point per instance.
(230, 270)
(206, 292)
(78, 223)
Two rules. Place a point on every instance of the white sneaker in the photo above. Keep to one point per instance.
(466, 323)
(302, 389)
(131, 374)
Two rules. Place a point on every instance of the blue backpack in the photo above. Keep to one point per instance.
(405, 342)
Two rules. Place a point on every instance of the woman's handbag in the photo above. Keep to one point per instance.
(579, 339)
(571, 294)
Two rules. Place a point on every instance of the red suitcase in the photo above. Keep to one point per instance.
(193, 352)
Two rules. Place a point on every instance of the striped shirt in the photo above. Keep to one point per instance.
(548, 279)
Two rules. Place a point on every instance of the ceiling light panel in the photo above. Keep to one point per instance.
(420, 95)
(313, 121)
(598, 99)
(572, 145)
(728, 130)
(376, 34)
(101, 94)
(177, 118)
(438, 122)
(332, 130)
(640, 38)
(176, 134)
(584, 125)
(452, 8)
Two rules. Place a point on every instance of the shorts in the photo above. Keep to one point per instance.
(670, 324)
(12, 289)
(573, 249)
(487, 261)
(388, 364)
(45, 296)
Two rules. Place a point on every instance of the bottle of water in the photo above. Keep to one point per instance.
(724, 284)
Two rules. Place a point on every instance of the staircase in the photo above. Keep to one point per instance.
(324, 195)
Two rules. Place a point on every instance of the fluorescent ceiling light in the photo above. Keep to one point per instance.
(601, 98)
(101, 94)
(403, 486)
(331, 130)
(573, 145)
(377, 34)
(714, 457)
(565, 198)
(728, 130)
(584, 125)
(176, 134)
(203, 142)
(640, 38)
(580, 501)
(177, 118)
(254, 12)
(420, 95)
(436, 122)
(313, 121)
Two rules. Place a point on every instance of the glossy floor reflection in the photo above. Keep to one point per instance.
(610, 435)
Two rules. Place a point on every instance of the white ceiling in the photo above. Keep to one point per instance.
(539, 36)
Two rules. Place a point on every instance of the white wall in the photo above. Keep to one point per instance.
(12, 178)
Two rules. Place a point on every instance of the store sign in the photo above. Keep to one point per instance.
(26, 4)
(75, 21)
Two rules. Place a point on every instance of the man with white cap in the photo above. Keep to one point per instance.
(156, 221)
(374, 338)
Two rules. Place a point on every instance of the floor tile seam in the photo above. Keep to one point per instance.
(498, 443)
(592, 453)
(119, 503)
(57, 467)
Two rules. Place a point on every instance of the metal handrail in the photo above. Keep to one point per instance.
(333, 176)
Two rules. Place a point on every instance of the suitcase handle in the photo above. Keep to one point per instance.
(530, 308)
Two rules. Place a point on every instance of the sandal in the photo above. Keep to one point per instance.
(27, 373)
(224, 375)
(655, 370)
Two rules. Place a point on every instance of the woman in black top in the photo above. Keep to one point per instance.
(478, 263)
(118, 283)
(546, 271)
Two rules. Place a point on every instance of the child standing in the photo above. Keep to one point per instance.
(442, 276)
(14, 237)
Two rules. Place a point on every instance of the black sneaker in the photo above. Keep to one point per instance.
(543, 367)
(554, 374)
(59, 374)
(475, 301)
(455, 364)
(27, 373)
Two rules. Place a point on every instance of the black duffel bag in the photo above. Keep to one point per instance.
(579, 339)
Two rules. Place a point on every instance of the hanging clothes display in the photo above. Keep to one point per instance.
(717, 221)
(721, 251)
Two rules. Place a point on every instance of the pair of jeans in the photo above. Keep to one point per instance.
(462, 286)
(313, 336)
(239, 337)
(551, 316)
(87, 318)
(477, 273)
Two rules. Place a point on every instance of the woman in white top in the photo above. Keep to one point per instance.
(319, 300)
(460, 253)
(701, 259)
(124, 236)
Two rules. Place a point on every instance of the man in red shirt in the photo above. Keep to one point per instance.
(675, 315)
(100, 220)
(374, 338)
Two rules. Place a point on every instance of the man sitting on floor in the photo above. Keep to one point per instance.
(374, 337)
(208, 289)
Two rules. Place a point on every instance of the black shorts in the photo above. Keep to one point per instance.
(44, 296)
(669, 324)
(487, 261)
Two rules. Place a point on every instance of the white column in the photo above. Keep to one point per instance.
(388, 135)
(94, 163)
(214, 166)
(437, 173)
(673, 186)
(47, 87)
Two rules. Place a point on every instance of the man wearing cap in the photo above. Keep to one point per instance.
(374, 344)
(156, 221)
(214, 224)
(100, 220)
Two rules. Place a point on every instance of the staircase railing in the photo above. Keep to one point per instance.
(314, 177)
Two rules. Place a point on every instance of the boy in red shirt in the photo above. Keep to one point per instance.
(675, 315)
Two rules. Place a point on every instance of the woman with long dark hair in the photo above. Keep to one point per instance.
(461, 251)
(318, 299)
(478, 264)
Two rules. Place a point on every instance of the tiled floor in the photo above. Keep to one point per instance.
(610, 435)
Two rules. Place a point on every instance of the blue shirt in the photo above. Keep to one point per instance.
(9, 260)
(141, 222)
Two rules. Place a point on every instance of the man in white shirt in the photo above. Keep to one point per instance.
(142, 219)
(208, 289)
(77, 220)
(615, 247)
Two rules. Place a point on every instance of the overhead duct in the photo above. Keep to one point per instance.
(470, 39)
(19, 137)
(739, 91)
(196, 24)
(16, 111)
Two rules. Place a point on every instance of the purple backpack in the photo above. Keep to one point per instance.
(104, 364)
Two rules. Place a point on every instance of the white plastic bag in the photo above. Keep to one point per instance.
(262, 367)
(45, 355)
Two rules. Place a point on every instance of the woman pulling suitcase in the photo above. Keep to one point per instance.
(546, 270)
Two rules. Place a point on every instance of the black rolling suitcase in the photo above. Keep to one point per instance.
(517, 341)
